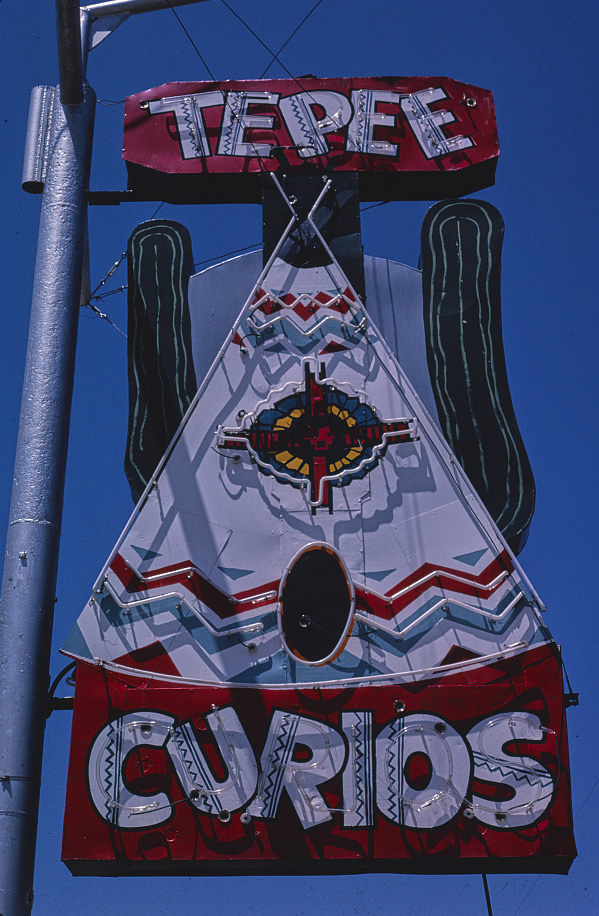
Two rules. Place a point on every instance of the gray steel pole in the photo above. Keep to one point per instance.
(68, 35)
(28, 586)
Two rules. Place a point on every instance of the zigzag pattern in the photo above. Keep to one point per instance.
(109, 783)
(393, 759)
(385, 606)
(228, 137)
(192, 580)
(222, 664)
(360, 123)
(305, 306)
(277, 762)
(302, 123)
(189, 123)
(428, 576)
(362, 815)
(198, 774)
(532, 776)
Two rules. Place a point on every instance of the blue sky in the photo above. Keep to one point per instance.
(538, 59)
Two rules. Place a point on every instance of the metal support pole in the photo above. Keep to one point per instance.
(68, 34)
(28, 586)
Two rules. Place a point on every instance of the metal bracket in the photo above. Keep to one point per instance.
(99, 20)
(55, 702)
(102, 28)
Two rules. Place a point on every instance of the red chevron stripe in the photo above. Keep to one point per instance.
(384, 606)
(418, 582)
(209, 594)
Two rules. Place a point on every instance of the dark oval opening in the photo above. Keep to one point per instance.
(418, 771)
(316, 605)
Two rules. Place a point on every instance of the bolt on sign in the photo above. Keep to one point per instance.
(313, 647)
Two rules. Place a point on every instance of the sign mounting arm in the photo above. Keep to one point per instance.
(99, 20)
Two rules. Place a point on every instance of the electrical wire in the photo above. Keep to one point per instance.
(293, 34)
(121, 289)
(255, 247)
(95, 297)
(257, 37)
(103, 315)
(279, 61)
(216, 83)
(193, 44)
(538, 877)
(382, 203)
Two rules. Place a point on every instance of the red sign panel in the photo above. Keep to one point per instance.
(414, 137)
(469, 771)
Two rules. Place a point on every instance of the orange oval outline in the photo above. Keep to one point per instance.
(340, 645)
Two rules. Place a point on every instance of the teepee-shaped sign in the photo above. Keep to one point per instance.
(311, 647)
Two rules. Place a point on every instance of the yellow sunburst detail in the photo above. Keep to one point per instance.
(284, 457)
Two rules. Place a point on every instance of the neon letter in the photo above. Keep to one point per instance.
(358, 775)
(194, 771)
(366, 118)
(112, 799)
(236, 120)
(444, 753)
(308, 132)
(325, 750)
(530, 782)
(190, 120)
(426, 124)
